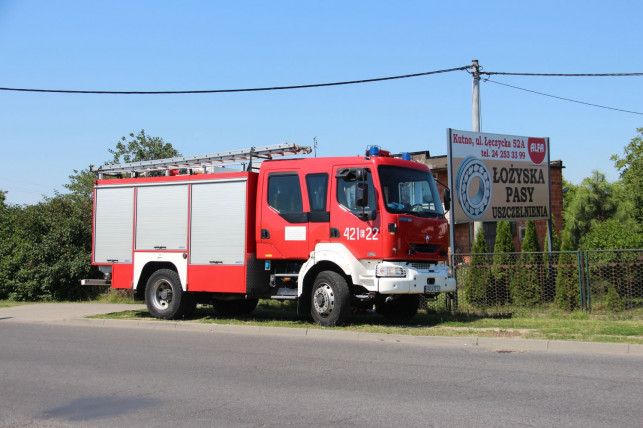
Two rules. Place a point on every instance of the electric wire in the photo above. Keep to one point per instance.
(214, 91)
(353, 82)
(562, 98)
(501, 73)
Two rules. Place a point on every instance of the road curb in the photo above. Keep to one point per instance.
(488, 343)
(502, 344)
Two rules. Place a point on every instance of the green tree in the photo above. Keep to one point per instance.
(479, 280)
(3, 195)
(596, 200)
(612, 234)
(555, 240)
(525, 284)
(631, 170)
(8, 215)
(503, 261)
(81, 185)
(550, 261)
(569, 195)
(530, 243)
(567, 286)
(51, 252)
(46, 247)
(142, 147)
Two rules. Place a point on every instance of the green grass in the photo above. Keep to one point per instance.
(10, 303)
(626, 327)
(113, 295)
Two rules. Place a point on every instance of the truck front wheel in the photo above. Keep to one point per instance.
(165, 298)
(330, 305)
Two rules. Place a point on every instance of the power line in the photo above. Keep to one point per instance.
(561, 98)
(214, 91)
(491, 73)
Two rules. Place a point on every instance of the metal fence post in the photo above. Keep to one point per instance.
(579, 263)
(454, 299)
(587, 282)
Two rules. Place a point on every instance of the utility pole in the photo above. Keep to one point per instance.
(475, 117)
(475, 124)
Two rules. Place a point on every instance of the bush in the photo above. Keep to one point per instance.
(567, 291)
(613, 301)
(46, 250)
(503, 262)
(525, 283)
(479, 279)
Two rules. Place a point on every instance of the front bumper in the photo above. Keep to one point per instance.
(419, 279)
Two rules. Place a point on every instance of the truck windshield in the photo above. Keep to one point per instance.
(410, 191)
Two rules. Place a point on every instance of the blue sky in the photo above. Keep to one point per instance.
(172, 45)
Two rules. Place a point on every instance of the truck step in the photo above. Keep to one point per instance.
(285, 294)
(283, 297)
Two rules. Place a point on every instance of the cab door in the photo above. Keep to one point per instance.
(355, 219)
(283, 222)
(317, 184)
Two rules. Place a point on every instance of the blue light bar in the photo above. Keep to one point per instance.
(406, 156)
(374, 150)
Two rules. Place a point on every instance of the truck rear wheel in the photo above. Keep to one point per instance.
(165, 298)
(330, 305)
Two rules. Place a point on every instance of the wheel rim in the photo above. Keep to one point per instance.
(324, 300)
(162, 296)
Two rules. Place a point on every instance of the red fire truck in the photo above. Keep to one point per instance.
(333, 234)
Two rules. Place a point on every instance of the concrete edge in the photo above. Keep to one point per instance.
(489, 343)
(635, 349)
(588, 347)
(504, 344)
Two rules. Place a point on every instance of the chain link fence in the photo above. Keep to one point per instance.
(614, 279)
(602, 281)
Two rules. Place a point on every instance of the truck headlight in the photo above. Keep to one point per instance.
(390, 271)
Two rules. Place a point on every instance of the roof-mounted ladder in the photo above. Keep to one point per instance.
(203, 161)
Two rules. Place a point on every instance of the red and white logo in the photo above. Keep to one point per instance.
(537, 149)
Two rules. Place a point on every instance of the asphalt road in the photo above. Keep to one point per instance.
(70, 375)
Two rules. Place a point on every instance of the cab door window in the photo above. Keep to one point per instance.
(317, 186)
(347, 192)
(284, 196)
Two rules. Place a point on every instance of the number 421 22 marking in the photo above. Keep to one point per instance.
(355, 233)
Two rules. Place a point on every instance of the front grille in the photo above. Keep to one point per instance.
(424, 266)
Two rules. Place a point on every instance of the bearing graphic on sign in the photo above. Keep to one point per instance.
(473, 179)
(498, 177)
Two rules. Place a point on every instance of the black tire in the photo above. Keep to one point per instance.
(330, 299)
(247, 306)
(403, 308)
(190, 304)
(234, 307)
(164, 296)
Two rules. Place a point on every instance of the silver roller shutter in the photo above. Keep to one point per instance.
(113, 228)
(162, 217)
(218, 231)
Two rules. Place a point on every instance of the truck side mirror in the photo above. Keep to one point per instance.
(447, 199)
(361, 194)
(352, 174)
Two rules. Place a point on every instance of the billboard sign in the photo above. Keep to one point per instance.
(498, 177)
